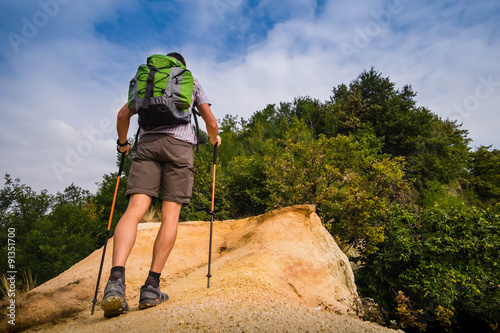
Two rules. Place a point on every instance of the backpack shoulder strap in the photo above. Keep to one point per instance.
(150, 84)
(197, 114)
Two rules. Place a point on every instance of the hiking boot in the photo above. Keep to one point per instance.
(113, 302)
(151, 296)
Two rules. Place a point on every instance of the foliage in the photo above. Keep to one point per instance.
(65, 236)
(409, 317)
(349, 182)
(445, 259)
(434, 149)
(485, 178)
(20, 208)
(52, 231)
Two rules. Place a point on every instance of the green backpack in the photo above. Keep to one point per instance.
(161, 92)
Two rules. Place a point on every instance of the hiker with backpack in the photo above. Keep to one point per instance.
(163, 93)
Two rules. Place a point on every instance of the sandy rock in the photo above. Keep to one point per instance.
(277, 272)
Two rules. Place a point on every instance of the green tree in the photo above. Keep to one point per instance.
(69, 233)
(22, 209)
(434, 149)
(351, 184)
(443, 155)
(485, 176)
(52, 232)
(309, 110)
(445, 259)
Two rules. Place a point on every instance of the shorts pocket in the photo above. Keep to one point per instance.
(148, 138)
(177, 142)
(178, 152)
(148, 146)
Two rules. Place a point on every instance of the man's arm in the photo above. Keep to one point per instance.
(122, 125)
(211, 122)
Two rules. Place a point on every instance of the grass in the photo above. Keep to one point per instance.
(152, 215)
(23, 285)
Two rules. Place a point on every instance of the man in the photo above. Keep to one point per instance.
(164, 157)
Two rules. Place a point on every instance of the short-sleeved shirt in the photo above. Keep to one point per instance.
(183, 132)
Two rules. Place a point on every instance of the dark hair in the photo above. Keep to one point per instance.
(178, 57)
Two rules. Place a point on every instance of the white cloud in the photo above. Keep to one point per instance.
(54, 99)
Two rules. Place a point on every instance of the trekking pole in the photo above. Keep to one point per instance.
(211, 218)
(94, 301)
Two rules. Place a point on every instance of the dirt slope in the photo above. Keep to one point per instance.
(277, 272)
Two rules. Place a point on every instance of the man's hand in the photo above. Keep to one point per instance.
(218, 140)
(122, 147)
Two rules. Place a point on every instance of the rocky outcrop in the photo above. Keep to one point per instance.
(279, 270)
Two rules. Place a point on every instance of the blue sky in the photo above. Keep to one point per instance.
(65, 66)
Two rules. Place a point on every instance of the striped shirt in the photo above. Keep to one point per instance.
(183, 132)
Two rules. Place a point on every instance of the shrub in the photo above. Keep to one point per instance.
(446, 260)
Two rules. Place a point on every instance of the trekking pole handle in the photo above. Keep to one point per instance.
(215, 152)
(122, 162)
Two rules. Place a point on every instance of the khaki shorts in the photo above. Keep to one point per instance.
(162, 160)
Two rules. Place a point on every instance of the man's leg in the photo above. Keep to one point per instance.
(114, 302)
(167, 234)
(165, 239)
(126, 230)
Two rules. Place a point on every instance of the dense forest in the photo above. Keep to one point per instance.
(400, 189)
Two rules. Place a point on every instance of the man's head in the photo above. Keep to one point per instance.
(178, 57)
